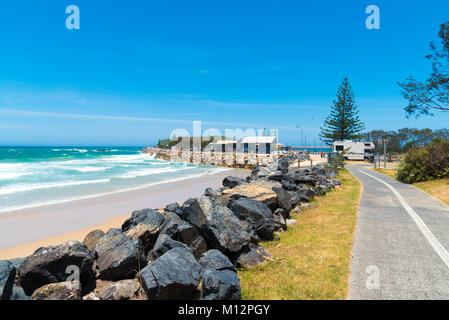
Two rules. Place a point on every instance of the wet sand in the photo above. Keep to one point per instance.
(24, 231)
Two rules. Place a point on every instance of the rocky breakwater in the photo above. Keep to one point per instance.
(187, 251)
(222, 159)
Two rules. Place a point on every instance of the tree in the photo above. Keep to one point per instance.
(433, 93)
(343, 123)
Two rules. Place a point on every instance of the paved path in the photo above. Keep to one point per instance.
(401, 240)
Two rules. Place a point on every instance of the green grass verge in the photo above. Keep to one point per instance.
(312, 257)
(437, 188)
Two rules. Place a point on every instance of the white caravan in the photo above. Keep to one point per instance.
(354, 150)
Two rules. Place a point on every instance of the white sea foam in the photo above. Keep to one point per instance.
(147, 172)
(13, 175)
(52, 202)
(35, 186)
(89, 169)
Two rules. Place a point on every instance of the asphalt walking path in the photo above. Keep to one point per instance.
(401, 241)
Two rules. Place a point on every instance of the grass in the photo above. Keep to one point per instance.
(388, 172)
(437, 188)
(312, 257)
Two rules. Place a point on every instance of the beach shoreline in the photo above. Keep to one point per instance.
(26, 230)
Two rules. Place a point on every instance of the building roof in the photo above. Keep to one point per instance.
(225, 141)
(261, 139)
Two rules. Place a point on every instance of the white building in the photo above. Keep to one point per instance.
(260, 145)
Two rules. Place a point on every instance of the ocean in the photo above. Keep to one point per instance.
(35, 176)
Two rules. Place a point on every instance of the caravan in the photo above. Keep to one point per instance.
(354, 150)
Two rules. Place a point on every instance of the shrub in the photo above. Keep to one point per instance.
(425, 163)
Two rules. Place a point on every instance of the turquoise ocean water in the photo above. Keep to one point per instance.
(35, 176)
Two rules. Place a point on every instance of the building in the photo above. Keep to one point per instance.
(260, 145)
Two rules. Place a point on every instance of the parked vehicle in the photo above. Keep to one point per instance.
(354, 150)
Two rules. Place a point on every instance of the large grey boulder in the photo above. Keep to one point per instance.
(256, 213)
(175, 275)
(232, 181)
(146, 234)
(119, 257)
(280, 217)
(185, 232)
(218, 224)
(254, 257)
(283, 199)
(260, 172)
(219, 280)
(173, 207)
(215, 260)
(145, 216)
(58, 291)
(7, 276)
(220, 285)
(164, 244)
(127, 289)
(259, 190)
(53, 264)
(92, 238)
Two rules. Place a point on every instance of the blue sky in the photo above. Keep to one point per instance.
(136, 70)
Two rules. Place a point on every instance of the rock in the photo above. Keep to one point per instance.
(164, 244)
(283, 166)
(173, 207)
(215, 260)
(224, 231)
(108, 239)
(291, 221)
(296, 210)
(232, 182)
(260, 172)
(92, 238)
(276, 176)
(51, 265)
(186, 233)
(7, 276)
(175, 275)
(19, 294)
(220, 285)
(147, 234)
(145, 216)
(121, 290)
(68, 290)
(119, 258)
(17, 262)
(257, 190)
(255, 257)
(196, 210)
(217, 224)
(279, 219)
(257, 214)
(284, 198)
(209, 192)
(303, 195)
(289, 184)
(335, 182)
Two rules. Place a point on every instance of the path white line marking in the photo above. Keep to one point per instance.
(437, 246)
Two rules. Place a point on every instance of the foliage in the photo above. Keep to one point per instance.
(425, 163)
(407, 138)
(168, 143)
(343, 123)
(433, 93)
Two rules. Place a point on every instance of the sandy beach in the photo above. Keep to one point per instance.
(22, 232)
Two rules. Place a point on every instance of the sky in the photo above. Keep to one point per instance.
(136, 71)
